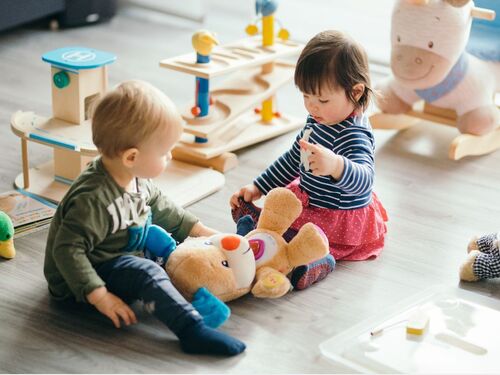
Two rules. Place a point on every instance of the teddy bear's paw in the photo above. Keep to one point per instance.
(467, 267)
(473, 244)
(273, 285)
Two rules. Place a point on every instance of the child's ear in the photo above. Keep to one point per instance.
(129, 157)
(358, 90)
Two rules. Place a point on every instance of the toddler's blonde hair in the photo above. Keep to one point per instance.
(129, 115)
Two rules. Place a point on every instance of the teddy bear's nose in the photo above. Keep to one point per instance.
(230, 243)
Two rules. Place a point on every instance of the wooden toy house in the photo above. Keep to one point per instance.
(79, 76)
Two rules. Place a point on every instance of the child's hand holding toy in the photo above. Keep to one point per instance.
(322, 161)
(249, 193)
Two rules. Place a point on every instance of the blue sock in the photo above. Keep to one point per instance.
(200, 339)
(245, 225)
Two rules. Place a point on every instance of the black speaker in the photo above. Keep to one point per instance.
(85, 12)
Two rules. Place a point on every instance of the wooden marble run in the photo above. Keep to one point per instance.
(79, 76)
(225, 119)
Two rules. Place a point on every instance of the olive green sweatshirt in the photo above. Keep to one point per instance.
(91, 225)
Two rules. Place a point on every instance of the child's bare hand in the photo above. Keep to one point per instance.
(322, 161)
(249, 193)
(112, 306)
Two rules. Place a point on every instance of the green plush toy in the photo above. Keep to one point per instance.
(6, 237)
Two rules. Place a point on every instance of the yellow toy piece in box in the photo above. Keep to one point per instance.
(417, 323)
(7, 249)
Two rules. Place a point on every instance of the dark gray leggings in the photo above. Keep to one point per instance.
(133, 278)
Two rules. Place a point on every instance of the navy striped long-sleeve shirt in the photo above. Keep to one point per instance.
(353, 140)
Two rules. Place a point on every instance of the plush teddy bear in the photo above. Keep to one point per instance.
(229, 266)
(429, 62)
(209, 271)
(483, 260)
(274, 257)
(7, 249)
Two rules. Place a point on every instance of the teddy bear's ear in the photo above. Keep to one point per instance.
(308, 245)
(280, 210)
(457, 3)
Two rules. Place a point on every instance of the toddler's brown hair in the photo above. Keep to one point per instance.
(333, 59)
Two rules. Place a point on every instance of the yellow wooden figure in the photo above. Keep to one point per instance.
(266, 9)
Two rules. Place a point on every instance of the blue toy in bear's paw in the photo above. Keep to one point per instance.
(159, 244)
(213, 310)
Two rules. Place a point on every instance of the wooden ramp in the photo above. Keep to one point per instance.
(186, 182)
(232, 57)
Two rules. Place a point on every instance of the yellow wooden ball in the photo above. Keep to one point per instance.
(251, 29)
(283, 34)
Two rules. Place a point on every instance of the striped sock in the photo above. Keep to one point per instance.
(246, 208)
(304, 276)
(487, 266)
(486, 243)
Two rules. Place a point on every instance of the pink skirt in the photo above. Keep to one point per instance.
(356, 234)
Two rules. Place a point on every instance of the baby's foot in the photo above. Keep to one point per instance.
(200, 339)
(304, 276)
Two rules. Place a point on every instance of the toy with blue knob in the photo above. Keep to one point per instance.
(203, 42)
(265, 10)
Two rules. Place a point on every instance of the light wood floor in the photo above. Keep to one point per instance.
(434, 204)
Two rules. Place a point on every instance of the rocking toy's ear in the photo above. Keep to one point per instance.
(457, 3)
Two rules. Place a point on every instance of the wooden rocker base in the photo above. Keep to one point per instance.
(463, 145)
(472, 145)
(186, 183)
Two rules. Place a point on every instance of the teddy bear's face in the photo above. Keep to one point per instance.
(204, 262)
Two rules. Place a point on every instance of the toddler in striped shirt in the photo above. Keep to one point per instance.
(330, 165)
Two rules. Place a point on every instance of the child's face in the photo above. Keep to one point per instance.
(155, 153)
(329, 108)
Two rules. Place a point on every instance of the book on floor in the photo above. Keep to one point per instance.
(28, 212)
